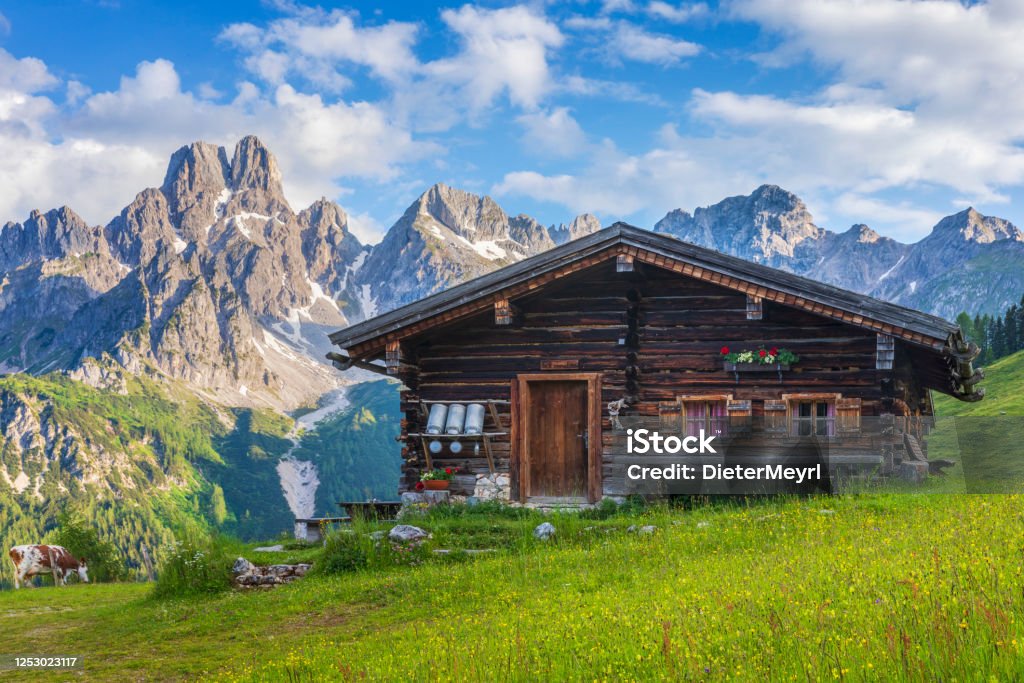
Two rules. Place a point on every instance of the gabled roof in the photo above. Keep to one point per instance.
(367, 339)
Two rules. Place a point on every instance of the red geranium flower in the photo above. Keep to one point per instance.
(725, 350)
(420, 486)
(762, 353)
(774, 351)
(447, 470)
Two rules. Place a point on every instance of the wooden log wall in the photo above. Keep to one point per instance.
(653, 335)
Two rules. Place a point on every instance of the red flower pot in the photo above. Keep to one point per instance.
(436, 484)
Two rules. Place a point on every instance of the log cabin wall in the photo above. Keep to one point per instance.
(652, 334)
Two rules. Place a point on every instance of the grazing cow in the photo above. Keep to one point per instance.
(30, 560)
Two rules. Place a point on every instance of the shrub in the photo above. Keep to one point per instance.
(194, 566)
(344, 551)
(354, 549)
(104, 561)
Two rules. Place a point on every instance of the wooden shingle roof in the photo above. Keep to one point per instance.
(367, 339)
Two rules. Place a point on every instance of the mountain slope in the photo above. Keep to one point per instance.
(448, 236)
(969, 261)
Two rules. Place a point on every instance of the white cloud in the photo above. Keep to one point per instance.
(503, 50)
(367, 228)
(624, 6)
(643, 186)
(318, 46)
(904, 220)
(634, 43)
(677, 13)
(113, 144)
(619, 39)
(5, 25)
(27, 74)
(554, 133)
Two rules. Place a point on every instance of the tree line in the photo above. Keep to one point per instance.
(997, 335)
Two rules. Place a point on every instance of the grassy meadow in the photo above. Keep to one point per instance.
(859, 588)
(921, 585)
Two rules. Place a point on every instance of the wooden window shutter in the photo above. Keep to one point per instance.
(848, 415)
(739, 414)
(670, 416)
(738, 408)
(885, 352)
(775, 416)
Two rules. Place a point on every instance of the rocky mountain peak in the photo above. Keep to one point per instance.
(971, 226)
(581, 226)
(55, 234)
(197, 180)
(468, 215)
(776, 198)
(767, 226)
(863, 234)
(253, 167)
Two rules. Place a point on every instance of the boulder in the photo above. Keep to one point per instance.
(269, 549)
(413, 498)
(646, 530)
(242, 567)
(544, 531)
(406, 533)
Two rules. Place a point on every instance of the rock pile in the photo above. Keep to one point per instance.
(248, 575)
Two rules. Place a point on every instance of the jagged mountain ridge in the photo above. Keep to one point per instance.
(214, 280)
(211, 279)
(969, 262)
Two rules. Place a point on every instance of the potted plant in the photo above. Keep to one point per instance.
(436, 479)
(759, 360)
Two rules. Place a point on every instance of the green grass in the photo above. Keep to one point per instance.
(1003, 396)
(917, 588)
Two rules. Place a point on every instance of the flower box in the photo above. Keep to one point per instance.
(755, 367)
(737, 368)
(436, 484)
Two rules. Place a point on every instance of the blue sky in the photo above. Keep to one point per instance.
(885, 112)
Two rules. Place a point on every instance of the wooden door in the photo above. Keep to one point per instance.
(556, 439)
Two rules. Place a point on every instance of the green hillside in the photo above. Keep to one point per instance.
(356, 452)
(985, 438)
(156, 460)
(138, 450)
(1004, 391)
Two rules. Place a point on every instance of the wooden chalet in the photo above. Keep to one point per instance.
(625, 322)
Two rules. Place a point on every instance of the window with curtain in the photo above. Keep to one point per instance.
(711, 416)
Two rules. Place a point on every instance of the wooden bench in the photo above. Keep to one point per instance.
(311, 529)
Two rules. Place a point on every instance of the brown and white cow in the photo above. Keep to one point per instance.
(31, 560)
